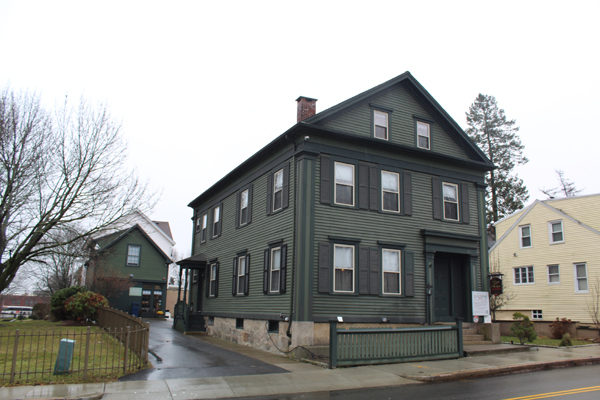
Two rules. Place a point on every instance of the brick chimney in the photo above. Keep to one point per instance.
(307, 107)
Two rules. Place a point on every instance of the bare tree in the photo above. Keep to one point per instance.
(174, 268)
(593, 304)
(61, 171)
(565, 188)
(498, 301)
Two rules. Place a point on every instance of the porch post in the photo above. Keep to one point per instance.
(179, 290)
(429, 287)
(187, 274)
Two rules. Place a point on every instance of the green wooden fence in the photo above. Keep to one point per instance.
(381, 346)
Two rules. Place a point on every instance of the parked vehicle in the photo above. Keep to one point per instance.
(15, 311)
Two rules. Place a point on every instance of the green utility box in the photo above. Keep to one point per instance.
(65, 356)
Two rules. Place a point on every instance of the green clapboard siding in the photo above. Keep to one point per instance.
(254, 238)
(402, 126)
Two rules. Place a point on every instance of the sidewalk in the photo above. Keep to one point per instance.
(304, 377)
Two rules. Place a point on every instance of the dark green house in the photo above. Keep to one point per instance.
(372, 210)
(131, 270)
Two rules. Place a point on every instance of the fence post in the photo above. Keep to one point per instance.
(13, 369)
(87, 354)
(459, 332)
(333, 344)
(126, 354)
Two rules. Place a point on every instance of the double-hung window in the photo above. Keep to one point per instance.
(423, 135)
(380, 128)
(390, 191)
(553, 274)
(278, 190)
(524, 275)
(241, 275)
(525, 236)
(203, 227)
(392, 277)
(215, 221)
(450, 193)
(344, 184)
(213, 280)
(133, 255)
(581, 278)
(275, 270)
(556, 232)
(343, 261)
(244, 207)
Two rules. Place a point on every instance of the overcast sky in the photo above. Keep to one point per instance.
(201, 86)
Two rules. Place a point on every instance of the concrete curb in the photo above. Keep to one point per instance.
(84, 397)
(494, 371)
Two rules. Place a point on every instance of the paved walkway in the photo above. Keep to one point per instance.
(302, 377)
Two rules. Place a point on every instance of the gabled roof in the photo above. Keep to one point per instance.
(117, 236)
(541, 203)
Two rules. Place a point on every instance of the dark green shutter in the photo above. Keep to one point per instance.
(250, 203)
(283, 270)
(409, 274)
(363, 186)
(237, 208)
(266, 273)
(374, 270)
(247, 283)
(374, 188)
(436, 189)
(269, 193)
(464, 202)
(217, 282)
(363, 270)
(207, 277)
(235, 272)
(325, 180)
(407, 188)
(324, 267)
(220, 224)
(285, 196)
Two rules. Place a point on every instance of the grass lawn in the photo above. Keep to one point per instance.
(543, 341)
(38, 348)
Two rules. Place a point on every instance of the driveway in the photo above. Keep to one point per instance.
(175, 356)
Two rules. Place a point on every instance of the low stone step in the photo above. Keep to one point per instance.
(470, 331)
(471, 338)
(476, 342)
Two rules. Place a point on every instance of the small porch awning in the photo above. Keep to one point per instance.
(194, 262)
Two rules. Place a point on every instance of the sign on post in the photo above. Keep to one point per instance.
(481, 305)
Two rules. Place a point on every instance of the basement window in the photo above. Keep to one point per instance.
(273, 326)
(239, 323)
(211, 321)
(536, 314)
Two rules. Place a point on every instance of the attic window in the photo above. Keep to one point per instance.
(133, 255)
(380, 128)
(423, 135)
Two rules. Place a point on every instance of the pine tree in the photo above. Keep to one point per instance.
(497, 137)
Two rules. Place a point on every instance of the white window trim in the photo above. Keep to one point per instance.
(272, 259)
(562, 230)
(213, 270)
(343, 184)
(216, 212)
(383, 272)
(526, 283)
(242, 206)
(457, 201)
(428, 135)
(576, 280)
(384, 191)
(239, 275)
(533, 313)
(386, 126)
(280, 190)
(353, 270)
(139, 255)
(548, 269)
(521, 237)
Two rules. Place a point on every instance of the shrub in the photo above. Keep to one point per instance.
(84, 305)
(523, 328)
(566, 340)
(559, 327)
(41, 311)
(57, 304)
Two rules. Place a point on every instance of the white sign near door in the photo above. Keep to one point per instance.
(481, 303)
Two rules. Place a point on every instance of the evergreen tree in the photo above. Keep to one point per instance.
(497, 138)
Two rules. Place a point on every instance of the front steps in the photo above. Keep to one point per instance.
(471, 337)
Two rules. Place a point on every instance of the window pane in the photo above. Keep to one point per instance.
(204, 221)
(381, 132)
(553, 269)
(242, 266)
(423, 129)
(244, 216)
(241, 284)
(557, 237)
(390, 201)
(381, 118)
(274, 281)
(530, 273)
(450, 210)
(391, 261)
(217, 214)
(526, 242)
(343, 280)
(343, 194)
(525, 231)
(557, 227)
(582, 284)
(343, 257)
(517, 276)
(450, 193)
(277, 200)
(276, 260)
(389, 181)
(344, 174)
(423, 142)
(580, 270)
(278, 180)
(244, 199)
(391, 283)
(553, 279)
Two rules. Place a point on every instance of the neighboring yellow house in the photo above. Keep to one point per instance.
(549, 253)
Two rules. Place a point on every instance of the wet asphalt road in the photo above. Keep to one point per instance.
(176, 356)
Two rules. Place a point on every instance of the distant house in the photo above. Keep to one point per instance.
(130, 265)
(372, 211)
(22, 300)
(548, 253)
